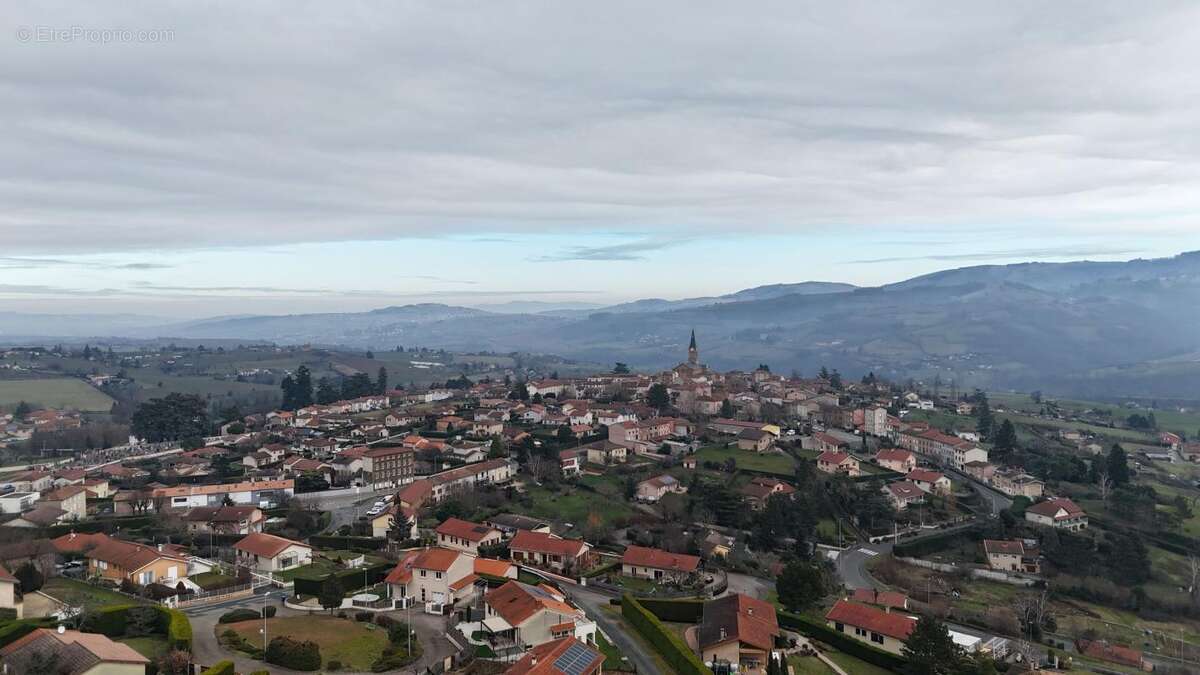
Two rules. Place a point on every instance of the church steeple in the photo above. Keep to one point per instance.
(693, 352)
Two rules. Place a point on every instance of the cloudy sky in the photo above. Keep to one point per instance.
(188, 159)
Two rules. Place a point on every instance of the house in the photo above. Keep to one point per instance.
(551, 551)
(383, 523)
(567, 656)
(1058, 512)
(839, 463)
(903, 493)
(934, 482)
(389, 466)
(760, 489)
(881, 628)
(1011, 556)
(654, 489)
(16, 502)
(70, 498)
(716, 545)
(118, 560)
(943, 448)
(98, 488)
(1018, 484)
(438, 578)
(527, 616)
(264, 552)
(75, 653)
(510, 523)
(259, 492)
(496, 569)
(823, 442)
(465, 536)
(605, 452)
(568, 461)
(980, 471)
(900, 461)
(737, 630)
(224, 519)
(756, 440)
(42, 515)
(8, 592)
(658, 565)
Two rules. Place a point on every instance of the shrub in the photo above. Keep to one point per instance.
(142, 621)
(398, 633)
(675, 611)
(363, 616)
(269, 611)
(289, 653)
(179, 629)
(239, 615)
(333, 665)
(220, 668)
(261, 672)
(30, 577)
(396, 656)
(384, 620)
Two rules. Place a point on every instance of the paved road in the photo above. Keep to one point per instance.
(852, 565)
(995, 500)
(344, 506)
(754, 587)
(593, 604)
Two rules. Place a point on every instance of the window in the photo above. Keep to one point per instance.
(100, 564)
(422, 572)
(437, 575)
(877, 638)
(861, 632)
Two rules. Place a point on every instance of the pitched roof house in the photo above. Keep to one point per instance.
(738, 629)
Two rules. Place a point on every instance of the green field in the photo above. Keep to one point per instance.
(76, 593)
(54, 393)
(747, 459)
(1168, 419)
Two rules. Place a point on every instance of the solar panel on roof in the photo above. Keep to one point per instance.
(575, 660)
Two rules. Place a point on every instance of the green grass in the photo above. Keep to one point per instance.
(747, 459)
(153, 647)
(209, 580)
(612, 655)
(575, 507)
(852, 665)
(59, 392)
(351, 642)
(808, 665)
(75, 593)
(315, 570)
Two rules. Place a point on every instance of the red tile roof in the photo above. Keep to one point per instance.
(659, 559)
(543, 659)
(540, 542)
(891, 624)
(436, 559)
(464, 529)
(1050, 508)
(266, 545)
(516, 602)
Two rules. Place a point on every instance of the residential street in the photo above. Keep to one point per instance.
(593, 603)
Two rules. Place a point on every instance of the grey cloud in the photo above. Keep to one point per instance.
(374, 122)
(1020, 254)
(23, 263)
(630, 250)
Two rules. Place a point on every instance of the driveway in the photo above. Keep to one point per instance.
(593, 604)
(752, 586)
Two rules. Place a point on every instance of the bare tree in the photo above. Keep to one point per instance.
(1105, 484)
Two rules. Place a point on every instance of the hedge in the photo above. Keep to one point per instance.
(221, 668)
(237, 615)
(935, 542)
(842, 642)
(675, 611)
(173, 623)
(15, 630)
(351, 579)
(673, 650)
(352, 543)
(100, 525)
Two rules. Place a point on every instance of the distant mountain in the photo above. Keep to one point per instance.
(1087, 328)
(756, 293)
(540, 307)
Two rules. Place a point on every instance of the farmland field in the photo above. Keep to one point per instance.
(748, 459)
(54, 393)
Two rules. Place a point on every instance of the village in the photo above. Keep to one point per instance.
(685, 521)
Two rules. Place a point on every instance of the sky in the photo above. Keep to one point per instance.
(195, 159)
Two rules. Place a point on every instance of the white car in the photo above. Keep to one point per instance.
(375, 510)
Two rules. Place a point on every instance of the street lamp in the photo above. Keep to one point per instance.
(264, 628)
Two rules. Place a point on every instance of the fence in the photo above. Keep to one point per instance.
(991, 575)
(209, 597)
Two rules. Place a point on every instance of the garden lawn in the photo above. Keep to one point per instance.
(153, 647)
(209, 580)
(76, 593)
(575, 507)
(351, 642)
(853, 665)
(808, 665)
(612, 655)
(747, 459)
(60, 392)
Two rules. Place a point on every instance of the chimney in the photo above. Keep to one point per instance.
(160, 548)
